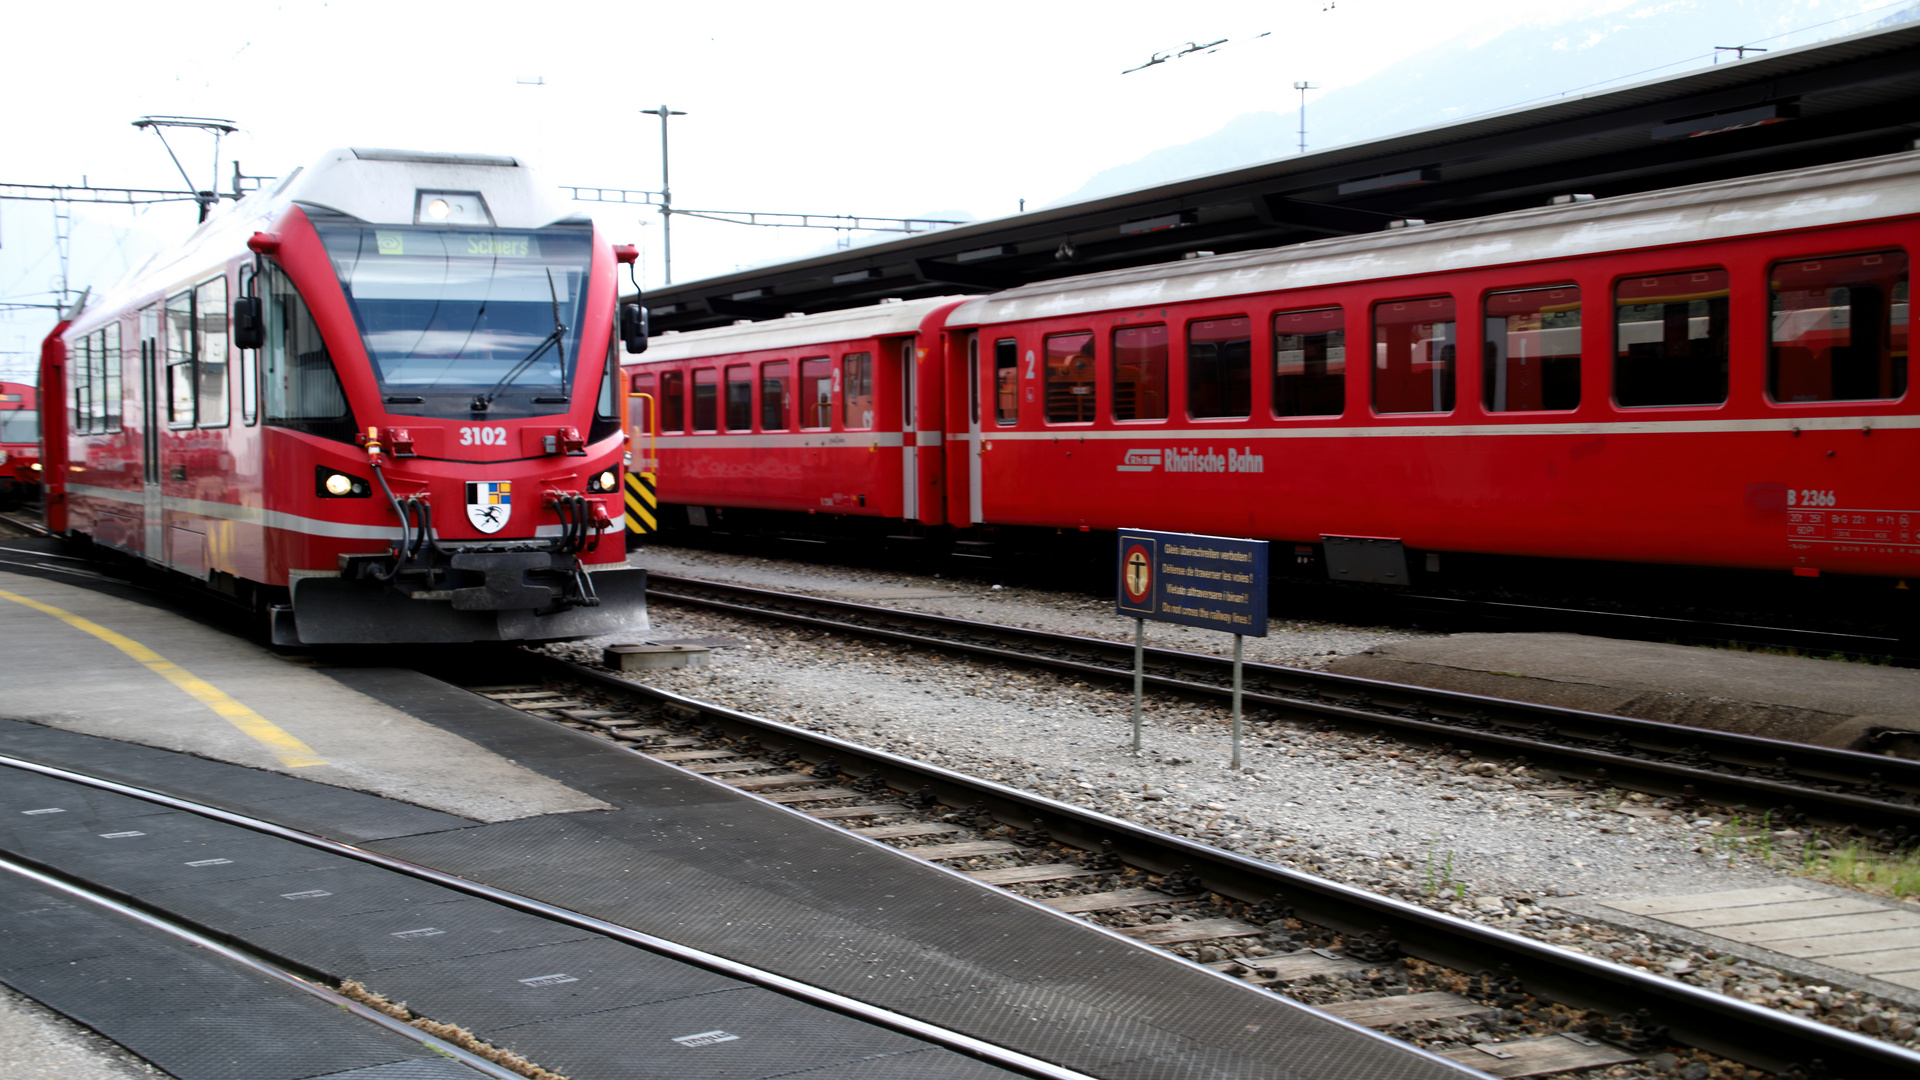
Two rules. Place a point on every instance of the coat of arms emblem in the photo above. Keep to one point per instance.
(489, 504)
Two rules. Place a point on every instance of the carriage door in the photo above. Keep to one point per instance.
(973, 430)
(909, 439)
(152, 379)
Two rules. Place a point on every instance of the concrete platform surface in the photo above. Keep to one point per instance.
(1798, 699)
(203, 692)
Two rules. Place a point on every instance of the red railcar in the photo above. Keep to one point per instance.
(378, 401)
(1707, 376)
(19, 443)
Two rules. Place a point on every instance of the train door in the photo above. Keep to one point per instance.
(973, 430)
(152, 378)
(909, 439)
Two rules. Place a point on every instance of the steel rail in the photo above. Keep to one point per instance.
(1721, 1025)
(1837, 786)
(1011, 1060)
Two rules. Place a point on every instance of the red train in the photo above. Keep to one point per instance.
(19, 443)
(377, 401)
(1709, 376)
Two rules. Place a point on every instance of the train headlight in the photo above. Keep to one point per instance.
(334, 484)
(608, 480)
(438, 209)
(3, 457)
(339, 484)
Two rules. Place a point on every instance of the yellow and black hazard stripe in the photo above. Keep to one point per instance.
(643, 505)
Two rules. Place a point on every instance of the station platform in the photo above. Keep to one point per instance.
(125, 687)
(1853, 706)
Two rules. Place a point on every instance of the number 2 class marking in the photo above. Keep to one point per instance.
(483, 436)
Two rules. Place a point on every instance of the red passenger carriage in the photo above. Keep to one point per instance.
(378, 400)
(19, 443)
(1709, 376)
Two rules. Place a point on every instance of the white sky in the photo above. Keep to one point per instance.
(834, 106)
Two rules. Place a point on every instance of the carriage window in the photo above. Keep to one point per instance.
(856, 369)
(78, 371)
(179, 345)
(1220, 368)
(776, 386)
(1069, 378)
(1006, 381)
(643, 414)
(1310, 363)
(110, 337)
(300, 387)
(1140, 373)
(816, 393)
(1839, 328)
(740, 398)
(1413, 355)
(210, 350)
(1532, 358)
(1671, 347)
(706, 399)
(673, 401)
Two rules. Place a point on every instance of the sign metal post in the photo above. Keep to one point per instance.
(1212, 582)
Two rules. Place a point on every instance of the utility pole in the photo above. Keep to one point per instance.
(666, 194)
(1303, 87)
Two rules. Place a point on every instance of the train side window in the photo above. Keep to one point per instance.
(114, 408)
(1839, 328)
(740, 397)
(1220, 368)
(673, 401)
(776, 386)
(1006, 381)
(179, 345)
(1069, 381)
(816, 393)
(1140, 373)
(79, 370)
(249, 362)
(1531, 361)
(210, 351)
(706, 399)
(1413, 355)
(1310, 362)
(1671, 339)
(856, 372)
(299, 386)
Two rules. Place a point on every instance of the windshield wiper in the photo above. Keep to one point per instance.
(557, 338)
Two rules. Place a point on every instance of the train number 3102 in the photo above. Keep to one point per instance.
(497, 436)
(1805, 497)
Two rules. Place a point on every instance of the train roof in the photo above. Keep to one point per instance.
(794, 332)
(373, 185)
(1877, 188)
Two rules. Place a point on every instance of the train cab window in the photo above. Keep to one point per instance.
(1006, 381)
(673, 401)
(1671, 343)
(249, 362)
(856, 373)
(816, 393)
(1839, 328)
(1310, 362)
(300, 389)
(179, 346)
(1532, 357)
(1069, 379)
(706, 400)
(1220, 368)
(1413, 355)
(210, 351)
(740, 397)
(776, 390)
(1140, 373)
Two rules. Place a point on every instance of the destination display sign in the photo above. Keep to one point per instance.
(1212, 582)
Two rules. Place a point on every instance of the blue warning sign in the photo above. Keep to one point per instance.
(1212, 582)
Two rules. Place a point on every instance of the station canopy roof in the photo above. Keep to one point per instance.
(1852, 97)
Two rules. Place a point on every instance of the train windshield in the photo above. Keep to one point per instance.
(20, 426)
(459, 321)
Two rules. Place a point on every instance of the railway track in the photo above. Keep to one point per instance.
(1376, 960)
(1878, 794)
(369, 1005)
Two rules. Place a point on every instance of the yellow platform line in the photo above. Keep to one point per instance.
(291, 751)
